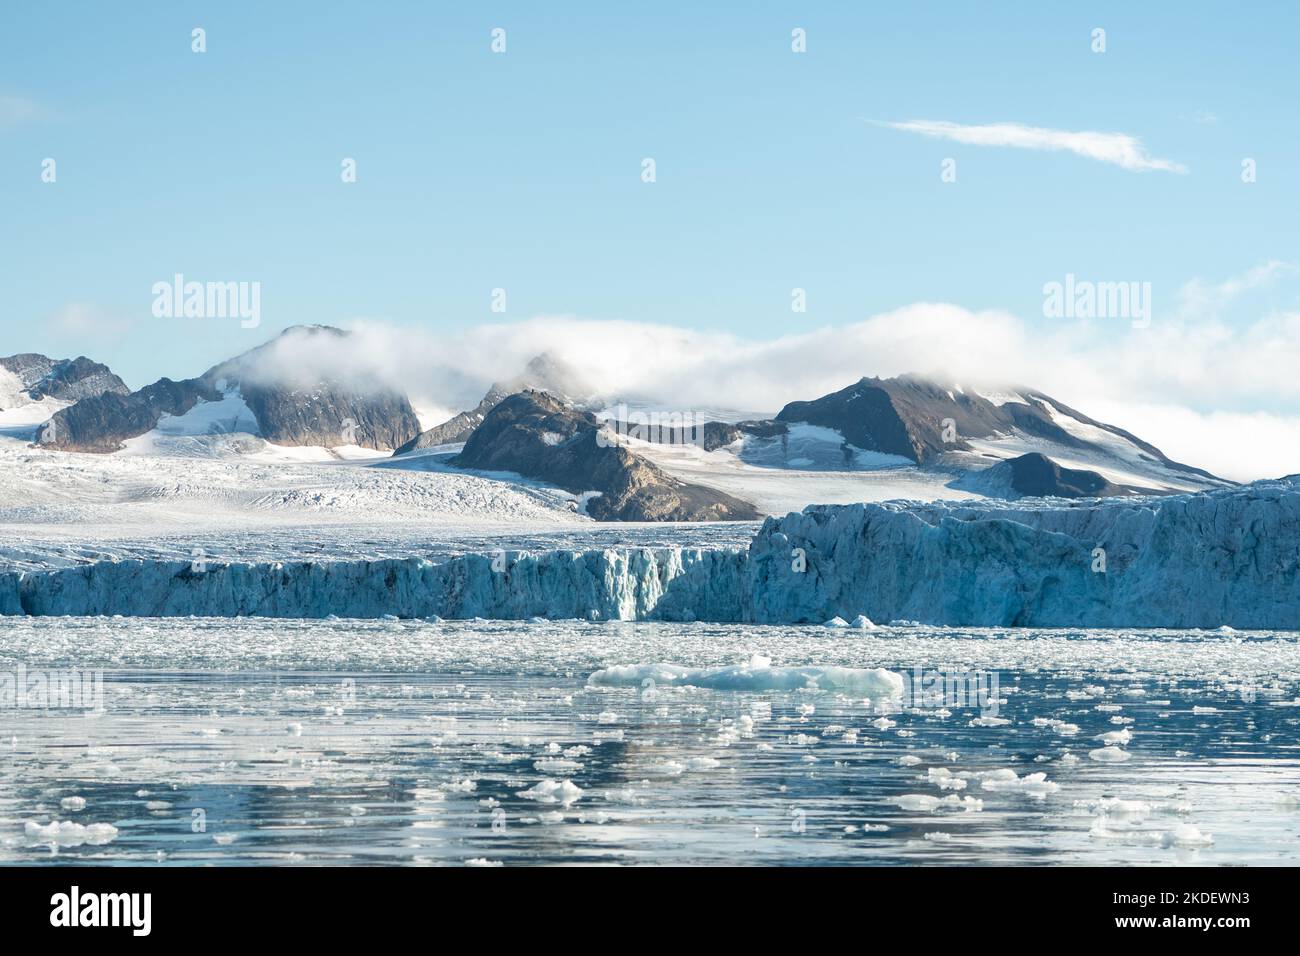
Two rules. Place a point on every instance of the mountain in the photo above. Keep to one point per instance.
(30, 377)
(544, 373)
(923, 420)
(297, 389)
(458, 428)
(914, 431)
(1034, 475)
(540, 437)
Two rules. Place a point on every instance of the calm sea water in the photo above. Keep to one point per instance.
(376, 743)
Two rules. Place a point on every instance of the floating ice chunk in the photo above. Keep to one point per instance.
(1117, 807)
(157, 805)
(836, 622)
(908, 760)
(482, 861)
(1068, 759)
(757, 675)
(607, 717)
(806, 710)
(989, 722)
(1109, 755)
(863, 623)
(883, 723)
(1064, 728)
(938, 837)
(564, 792)
(1033, 784)
(1205, 710)
(1116, 737)
(1186, 835)
(67, 833)
(945, 779)
(918, 801)
(926, 803)
(556, 765)
(73, 803)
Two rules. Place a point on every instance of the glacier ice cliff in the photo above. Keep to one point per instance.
(1228, 557)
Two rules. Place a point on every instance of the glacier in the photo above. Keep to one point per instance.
(1205, 560)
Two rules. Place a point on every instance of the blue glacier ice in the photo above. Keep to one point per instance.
(1228, 557)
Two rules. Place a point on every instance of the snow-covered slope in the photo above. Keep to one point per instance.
(779, 477)
(223, 487)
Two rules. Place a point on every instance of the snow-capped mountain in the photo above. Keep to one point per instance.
(912, 437)
(280, 392)
(31, 379)
(309, 394)
(544, 373)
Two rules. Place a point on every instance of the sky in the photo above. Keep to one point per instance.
(922, 172)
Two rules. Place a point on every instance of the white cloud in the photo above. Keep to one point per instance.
(1119, 149)
(1214, 393)
(1242, 446)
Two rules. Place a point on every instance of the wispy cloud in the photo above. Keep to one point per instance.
(1119, 149)
(16, 109)
(1215, 392)
(83, 322)
(1199, 298)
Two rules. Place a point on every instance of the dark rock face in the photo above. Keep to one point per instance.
(302, 392)
(544, 373)
(330, 415)
(294, 404)
(1037, 476)
(539, 437)
(906, 416)
(710, 435)
(102, 422)
(68, 380)
(458, 428)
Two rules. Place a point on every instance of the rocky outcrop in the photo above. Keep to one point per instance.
(708, 435)
(538, 436)
(1036, 476)
(36, 377)
(102, 423)
(543, 373)
(458, 428)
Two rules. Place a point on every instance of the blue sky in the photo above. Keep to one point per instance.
(522, 170)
